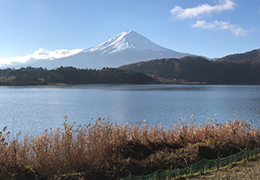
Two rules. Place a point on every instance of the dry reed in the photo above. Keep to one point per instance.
(107, 150)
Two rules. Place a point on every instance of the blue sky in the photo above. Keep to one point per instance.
(212, 28)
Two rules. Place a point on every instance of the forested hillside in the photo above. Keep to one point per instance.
(253, 55)
(194, 69)
(70, 75)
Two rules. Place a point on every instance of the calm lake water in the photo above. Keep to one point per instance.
(36, 108)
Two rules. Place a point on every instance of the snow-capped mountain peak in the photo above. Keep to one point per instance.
(125, 48)
(126, 40)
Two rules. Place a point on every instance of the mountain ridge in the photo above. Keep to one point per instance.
(197, 69)
(253, 55)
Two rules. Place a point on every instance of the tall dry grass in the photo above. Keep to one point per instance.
(106, 150)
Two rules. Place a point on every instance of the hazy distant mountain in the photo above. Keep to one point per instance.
(127, 47)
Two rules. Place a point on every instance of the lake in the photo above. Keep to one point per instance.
(36, 108)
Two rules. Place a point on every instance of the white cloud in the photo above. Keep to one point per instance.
(204, 25)
(222, 25)
(201, 10)
(39, 54)
(44, 54)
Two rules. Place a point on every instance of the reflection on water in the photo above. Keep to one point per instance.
(36, 108)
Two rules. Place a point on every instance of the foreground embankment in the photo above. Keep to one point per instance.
(105, 150)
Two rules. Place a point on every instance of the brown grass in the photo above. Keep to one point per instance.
(105, 150)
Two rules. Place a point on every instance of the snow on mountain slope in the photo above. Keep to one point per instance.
(126, 40)
(125, 48)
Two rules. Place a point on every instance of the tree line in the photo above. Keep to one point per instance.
(70, 75)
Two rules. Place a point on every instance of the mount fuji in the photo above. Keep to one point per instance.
(125, 48)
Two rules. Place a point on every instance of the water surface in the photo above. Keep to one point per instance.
(36, 108)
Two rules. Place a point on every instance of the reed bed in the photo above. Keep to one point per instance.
(105, 150)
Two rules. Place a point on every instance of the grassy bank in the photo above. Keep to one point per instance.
(104, 150)
(243, 170)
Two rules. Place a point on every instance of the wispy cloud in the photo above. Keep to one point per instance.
(201, 10)
(204, 25)
(222, 25)
(206, 10)
(258, 9)
(39, 54)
